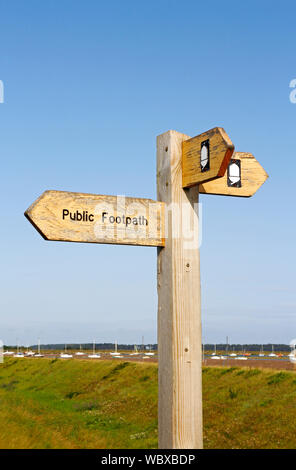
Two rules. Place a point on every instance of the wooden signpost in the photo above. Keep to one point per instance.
(185, 167)
(179, 310)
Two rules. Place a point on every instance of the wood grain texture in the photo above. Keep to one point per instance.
(252, 178)
(179, 310)
(90, 218)
(221, 150)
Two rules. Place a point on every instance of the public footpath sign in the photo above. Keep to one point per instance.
(185, 167)
(91, 218)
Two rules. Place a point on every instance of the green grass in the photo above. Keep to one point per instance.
(77, 404)
(249, 408)
(47, 403)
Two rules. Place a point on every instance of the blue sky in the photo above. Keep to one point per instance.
(88, 87)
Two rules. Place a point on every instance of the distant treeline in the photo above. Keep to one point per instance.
(98, 346)
(141, 347)
(247, 347)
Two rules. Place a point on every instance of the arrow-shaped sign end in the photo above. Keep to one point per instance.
(243, 178)
(29, 214)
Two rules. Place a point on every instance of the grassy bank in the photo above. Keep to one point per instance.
(111, 404)
(249, 408)
(77, 404)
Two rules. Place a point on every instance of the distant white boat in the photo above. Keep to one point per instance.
(233, 354)
(150, 353)
(94, 355)
(65, 355)
(215, 357)
(241, 358)
(18, 352)
(80, 353)
(8, 353)
(272, 353)
(292, 356)
(30, 353)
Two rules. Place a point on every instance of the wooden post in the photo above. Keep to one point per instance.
(179, 311)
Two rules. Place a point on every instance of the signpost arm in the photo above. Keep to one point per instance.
(179, 311)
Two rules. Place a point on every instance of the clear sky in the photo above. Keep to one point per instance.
(88, 85)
